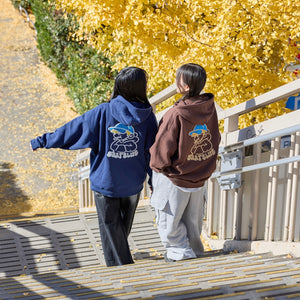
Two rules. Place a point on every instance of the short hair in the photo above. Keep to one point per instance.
(192, 75)
(131, 84)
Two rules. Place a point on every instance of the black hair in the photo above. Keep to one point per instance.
(192, 75)
(131, 83)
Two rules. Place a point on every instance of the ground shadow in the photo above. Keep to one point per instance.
(31, 248)
(141, 255)
(10, 194)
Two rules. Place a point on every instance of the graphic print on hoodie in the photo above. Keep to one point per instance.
(202, 148)
(125, 141)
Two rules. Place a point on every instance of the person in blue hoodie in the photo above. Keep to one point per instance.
(119, 134)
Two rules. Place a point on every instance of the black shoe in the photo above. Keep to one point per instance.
(167, 259)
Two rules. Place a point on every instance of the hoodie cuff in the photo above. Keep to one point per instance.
(35, 144)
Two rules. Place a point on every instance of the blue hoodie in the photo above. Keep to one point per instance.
(119, 134)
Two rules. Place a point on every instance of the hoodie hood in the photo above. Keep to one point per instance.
(129, 113)
(201, 107)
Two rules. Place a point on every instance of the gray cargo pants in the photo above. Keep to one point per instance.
(179, 217)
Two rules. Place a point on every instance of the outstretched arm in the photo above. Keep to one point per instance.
(80, 133)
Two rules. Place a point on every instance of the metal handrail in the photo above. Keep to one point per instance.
(255, 167)
(27, 15)
(267, 98)
(261, 138)
(253, 141)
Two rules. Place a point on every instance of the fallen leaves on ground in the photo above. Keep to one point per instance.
(31, 103)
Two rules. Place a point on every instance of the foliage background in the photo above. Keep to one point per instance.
(86, 72)
(244, 45)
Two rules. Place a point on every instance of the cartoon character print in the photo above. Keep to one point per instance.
(124, 143)
(202, 148)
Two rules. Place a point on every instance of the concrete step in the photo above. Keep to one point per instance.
(61, 258)
(48, 244)
(217, 276)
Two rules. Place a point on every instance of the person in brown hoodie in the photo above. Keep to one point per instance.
(183, 157)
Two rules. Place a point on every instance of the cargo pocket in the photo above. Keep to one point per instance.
(161, 219)
(160, 195)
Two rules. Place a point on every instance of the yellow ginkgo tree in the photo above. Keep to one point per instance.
(244, 45)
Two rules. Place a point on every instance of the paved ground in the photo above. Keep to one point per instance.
(61, 258)
(31, 103)
(41, 245)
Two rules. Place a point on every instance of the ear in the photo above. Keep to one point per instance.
(186, 88)
(182, 88)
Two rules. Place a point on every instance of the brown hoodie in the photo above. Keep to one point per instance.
(187, 142)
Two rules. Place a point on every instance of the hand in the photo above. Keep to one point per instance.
(31, 148)
(151, 189)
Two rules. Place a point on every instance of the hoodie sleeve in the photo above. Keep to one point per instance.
(165, 145)
(80, 133)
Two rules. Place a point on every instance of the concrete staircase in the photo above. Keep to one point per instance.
(61, 258)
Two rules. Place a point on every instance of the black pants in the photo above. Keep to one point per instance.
(115, 216)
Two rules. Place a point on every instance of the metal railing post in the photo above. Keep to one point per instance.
(274, 190)
(289, 190)
(294, 190)
(210, 205)
(255, 193)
